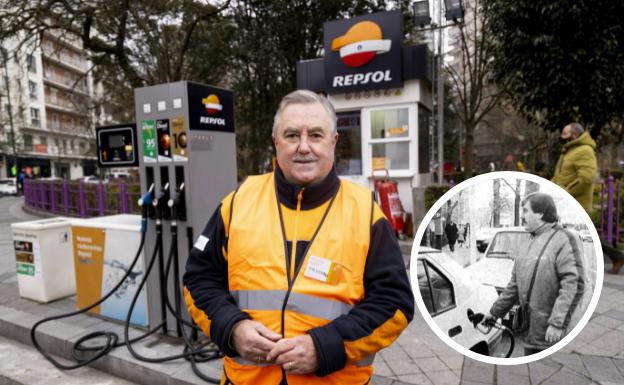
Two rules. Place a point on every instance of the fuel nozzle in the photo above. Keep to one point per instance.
(160, 204)
(178, 204)
(475, 318)
(145, 202)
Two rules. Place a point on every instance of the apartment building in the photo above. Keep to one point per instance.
(50, 97)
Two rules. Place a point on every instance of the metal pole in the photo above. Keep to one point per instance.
(8, 90)
(610, 211)
(440, 99)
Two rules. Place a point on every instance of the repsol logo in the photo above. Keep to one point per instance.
(211, 120)
(363, 78)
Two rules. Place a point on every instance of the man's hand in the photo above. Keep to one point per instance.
(553, 334)
(488, 319)
(296, 355)
(253, 341)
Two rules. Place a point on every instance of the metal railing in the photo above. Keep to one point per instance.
(80, 199)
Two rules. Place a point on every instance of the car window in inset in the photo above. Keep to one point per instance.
(508, 244)
(435, 289)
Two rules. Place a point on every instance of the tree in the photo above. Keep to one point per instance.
(560, 61)
(474, 95)
(147, 41)
(130, 43)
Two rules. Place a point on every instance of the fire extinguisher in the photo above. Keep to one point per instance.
(387, 196)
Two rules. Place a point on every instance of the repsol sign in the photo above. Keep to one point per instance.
(210, 108)
(362, 78)
(363, 53)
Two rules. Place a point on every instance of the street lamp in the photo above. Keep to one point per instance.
(421, 13)
(454, 12)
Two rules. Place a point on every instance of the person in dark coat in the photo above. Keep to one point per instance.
(451, 233)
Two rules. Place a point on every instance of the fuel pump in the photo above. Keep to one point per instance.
(187, 160)
(187, 150)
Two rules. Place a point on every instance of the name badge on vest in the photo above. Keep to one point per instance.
(322, 269)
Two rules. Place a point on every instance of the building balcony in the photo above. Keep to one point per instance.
(64, 84)
(67, 108)
(58, 58)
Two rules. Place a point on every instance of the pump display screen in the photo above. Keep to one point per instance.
(117, 146)
(116, 141)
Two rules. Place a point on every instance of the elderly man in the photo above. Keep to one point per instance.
(298, 277)
(549, 277)
(577, 167)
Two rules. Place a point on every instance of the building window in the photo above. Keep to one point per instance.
(43, 140)
(32, 88)
(35, 118)
(28, 142)
(390, 139)
(32, 63)
(349, 146)
(424, 119)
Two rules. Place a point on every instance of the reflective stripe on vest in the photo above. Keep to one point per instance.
(301, 303)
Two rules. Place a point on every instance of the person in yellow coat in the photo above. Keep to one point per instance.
(298, 277)
(577, 168)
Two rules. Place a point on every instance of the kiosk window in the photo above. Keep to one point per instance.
(390, 139)
(396, 155)
(389, 123)
(349, 146)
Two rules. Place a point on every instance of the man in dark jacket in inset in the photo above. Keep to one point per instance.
(559, 281)
(451, 233)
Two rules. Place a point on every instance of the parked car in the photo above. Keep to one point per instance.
(586, 236)
(448, 291)
(494, 269)
(93, 179)
(8, 186)
(483, 237)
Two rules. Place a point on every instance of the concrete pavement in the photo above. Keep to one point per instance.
(596, 356)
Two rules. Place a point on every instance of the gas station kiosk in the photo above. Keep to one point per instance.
(381, 91)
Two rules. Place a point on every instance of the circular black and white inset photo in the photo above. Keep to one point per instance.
(506, 268)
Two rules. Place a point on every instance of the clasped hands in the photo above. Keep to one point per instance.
(255, 342)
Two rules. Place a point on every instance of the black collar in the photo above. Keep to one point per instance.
(313, 195)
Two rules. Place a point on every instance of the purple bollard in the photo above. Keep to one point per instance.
(610, 211)
(65, 193)
(100, 195)
(53, 198)
(123, 191)
(602, 211)
(617, 217)
(82, 201)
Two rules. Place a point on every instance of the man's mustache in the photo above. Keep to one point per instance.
(304, 158)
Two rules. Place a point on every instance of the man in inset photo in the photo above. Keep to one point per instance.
(548, 281)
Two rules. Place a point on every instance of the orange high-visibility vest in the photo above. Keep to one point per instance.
(258, 277)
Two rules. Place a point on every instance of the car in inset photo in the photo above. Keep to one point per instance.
(448, 292)
(494, 268)
(483, 237)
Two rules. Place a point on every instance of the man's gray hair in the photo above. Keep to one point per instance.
(305, 97)
(576, 129)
